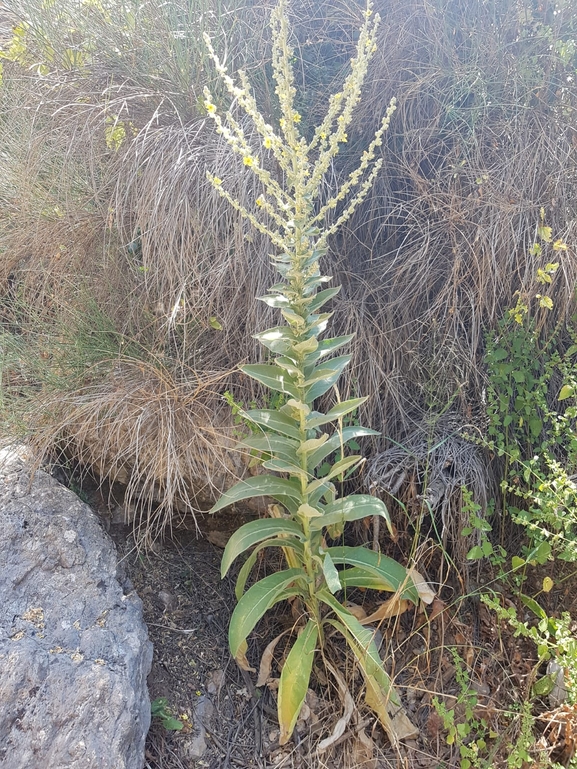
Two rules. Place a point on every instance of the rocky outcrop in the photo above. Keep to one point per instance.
(74, 651)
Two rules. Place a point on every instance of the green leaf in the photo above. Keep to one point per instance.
(158, 705)
(259, 486)
(319, 375)
(172, 724)
(331, 574)
(280, 466)
(335, 442)
(337, 412)
(312, 444)
(254, 532)
(328, 346)
(351, 508)
(294, 680)
(498, 354)
(532, 604)
(280, 448)
(278, 339)
(273, 377)
(342, 466)
(357, 577)
(247, 566)
(273, 420)
(567, 391)
(279, 301)
(322, 298)
(288, 365)
(517, 563)
(360, 639)
(475, 553)
(540, 554)
(257, 600)
(545, 685)
(536, 427)
(381, 570)
(334, 370)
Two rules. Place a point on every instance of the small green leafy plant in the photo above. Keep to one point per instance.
(295, 439)
(468, 732)
(159, 709)
(532, 408)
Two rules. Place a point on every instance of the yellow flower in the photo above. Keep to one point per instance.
(268, 143)
(210, 108)
(216, 181)
(259, 201)
(296, 117)
(248, 160)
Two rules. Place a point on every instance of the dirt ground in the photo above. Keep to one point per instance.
(453, 652)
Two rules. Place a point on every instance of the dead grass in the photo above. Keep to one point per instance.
(482, 139)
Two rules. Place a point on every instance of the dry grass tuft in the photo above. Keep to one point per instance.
(169, 442)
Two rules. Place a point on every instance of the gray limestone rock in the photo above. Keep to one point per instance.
(74, 650)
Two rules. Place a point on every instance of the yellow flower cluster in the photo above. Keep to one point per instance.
(289, 213)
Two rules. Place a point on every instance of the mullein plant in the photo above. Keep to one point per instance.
(295, 441)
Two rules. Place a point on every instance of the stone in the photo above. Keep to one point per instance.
(74, 650)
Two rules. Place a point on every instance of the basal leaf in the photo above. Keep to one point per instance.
(360, 639)
(274, 420)
(337, 412)
(391, 575)
(351, 508)
(273, 377)
(259, 486)
(294, 680)
(357, 577)
(258, 599)
(246, 568)
(254, 532)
